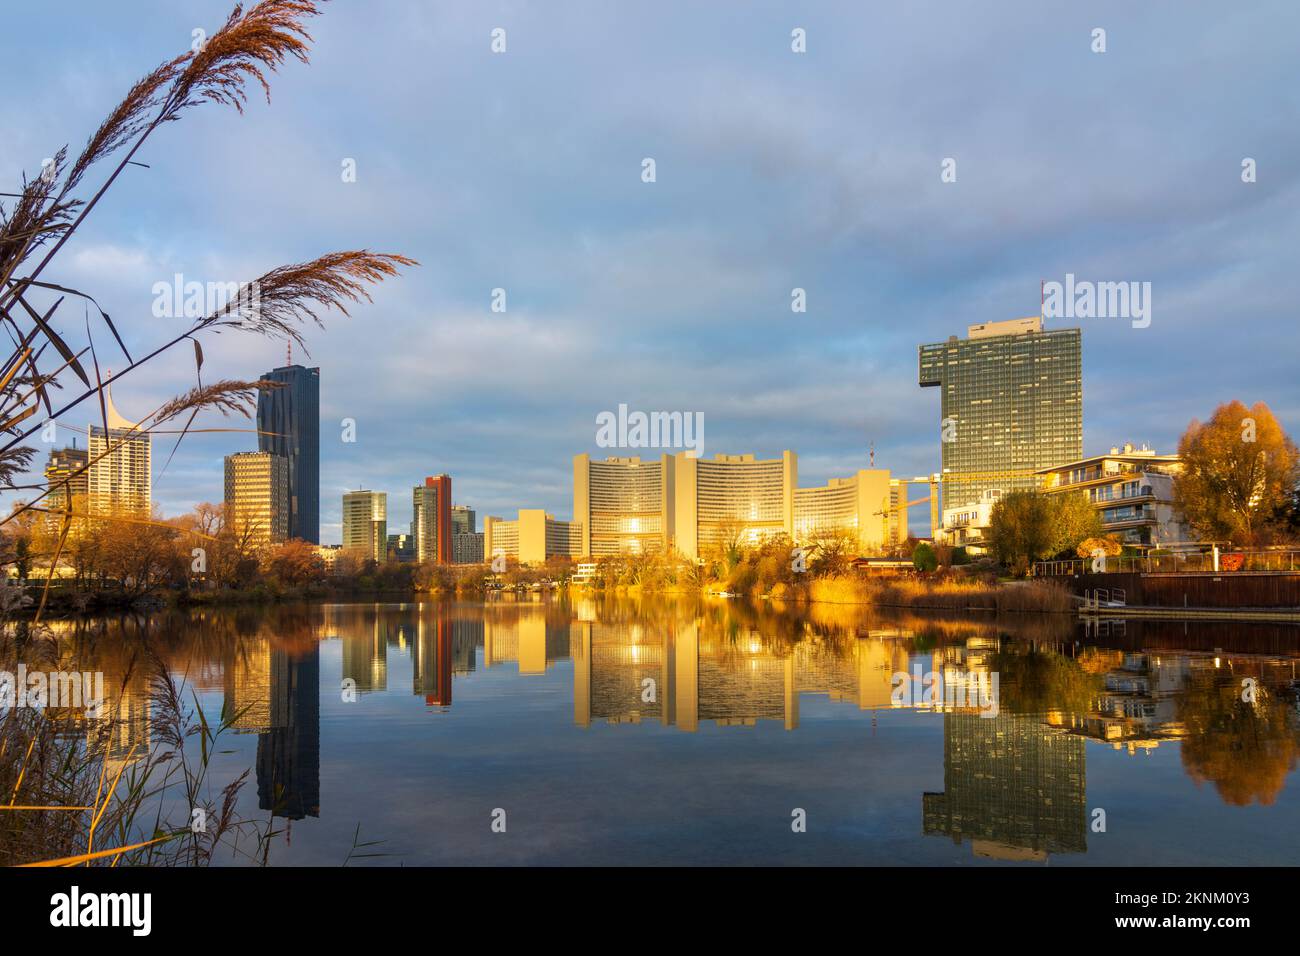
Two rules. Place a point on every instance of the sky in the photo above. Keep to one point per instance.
(774, 170)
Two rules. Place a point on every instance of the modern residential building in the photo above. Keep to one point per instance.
(1132, 488)
(863, 505)
(531, 538)
(727, 495)
(119, 477)
(1011, 405)
(966, 526)
(67, 480)
(624, 505)
(288, 425)
(257, 496)
(431, 519)
(463, 520)
(365, 524)
(467, 548)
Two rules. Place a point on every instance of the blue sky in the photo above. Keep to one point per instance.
(819, 170)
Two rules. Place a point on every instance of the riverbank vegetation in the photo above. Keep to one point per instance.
(826, 571)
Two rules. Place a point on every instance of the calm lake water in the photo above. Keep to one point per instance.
(664, 731)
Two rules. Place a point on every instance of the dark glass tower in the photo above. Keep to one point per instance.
(288, 424)
(288, 754)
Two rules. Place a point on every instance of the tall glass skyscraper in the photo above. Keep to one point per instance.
(288, 424)
(1011, 404)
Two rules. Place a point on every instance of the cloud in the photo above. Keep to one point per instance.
(775, 170)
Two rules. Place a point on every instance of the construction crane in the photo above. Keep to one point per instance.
(932, 498)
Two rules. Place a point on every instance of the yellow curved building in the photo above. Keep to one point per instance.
(622, 504)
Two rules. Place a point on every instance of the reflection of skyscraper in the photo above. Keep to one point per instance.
(288, 755)
(248, 687)
(365, 654)
(123, 729)
(1013, 786)
(431, 660)
(522, 634)
(466, 636)
(621, 674)
(625, 673)
(288, 424)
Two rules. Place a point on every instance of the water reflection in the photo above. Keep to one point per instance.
(1014, 784)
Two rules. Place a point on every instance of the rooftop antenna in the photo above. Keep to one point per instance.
(873, 455)
(288, 352)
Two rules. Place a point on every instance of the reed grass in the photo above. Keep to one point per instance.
(70, 803)
(946, 594)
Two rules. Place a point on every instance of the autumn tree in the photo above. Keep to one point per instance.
(1028, 526)
(296, 562)
(1247, 749)
(1238, 469)
(1107, 545)
(1072, 519)
(832, 551)
(1020, 529)
(137, 552)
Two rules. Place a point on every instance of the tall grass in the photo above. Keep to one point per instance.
(66, 798)
(946, 594)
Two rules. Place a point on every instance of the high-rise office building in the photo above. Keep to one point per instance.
(257, 496)
(623, 504)
(119, 478)
(463, 520)
(1011, 404)
(67, 479)
(862, 506)
(365, 524)
(467, 548)
(731, 495)
(531, 538)
(678, 502)
(431, 519)
(288, 424)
